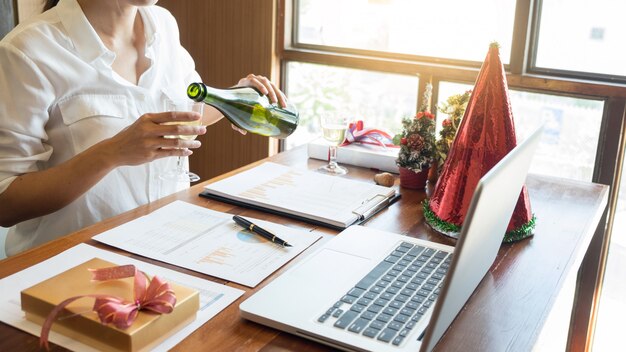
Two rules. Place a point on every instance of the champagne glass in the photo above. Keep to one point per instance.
(334, 128)
(179, 173)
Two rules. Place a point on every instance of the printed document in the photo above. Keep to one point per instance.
(208, 242)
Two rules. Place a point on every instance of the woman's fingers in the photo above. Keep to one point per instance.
(175, 123)
(179, 130)
(266, 87)
(282, 99)
(170, 143)
(254, 81)
(163, 153)
(172, 116)
(242, 131)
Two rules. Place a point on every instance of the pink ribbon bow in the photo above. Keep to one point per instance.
(357, 134)
(154, 295)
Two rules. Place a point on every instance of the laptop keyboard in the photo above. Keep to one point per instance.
(387, 303)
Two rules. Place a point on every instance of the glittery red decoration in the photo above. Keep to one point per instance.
(486, 135)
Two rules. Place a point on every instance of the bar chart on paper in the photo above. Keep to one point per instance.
(219, 256)
(264, 190)
(208, 242)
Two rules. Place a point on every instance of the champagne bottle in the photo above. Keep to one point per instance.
(248, 109)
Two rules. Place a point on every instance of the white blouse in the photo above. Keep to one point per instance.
(59, 96)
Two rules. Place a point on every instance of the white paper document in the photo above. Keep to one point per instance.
(208, 242)
(213, 297)
(332, 200)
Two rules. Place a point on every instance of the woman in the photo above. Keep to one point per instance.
(81, 132)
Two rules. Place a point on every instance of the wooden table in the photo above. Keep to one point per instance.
(508, 311)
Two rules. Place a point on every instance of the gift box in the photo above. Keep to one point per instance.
(80, 322)
(358, 154)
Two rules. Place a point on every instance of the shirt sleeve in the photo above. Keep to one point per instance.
(25, 96)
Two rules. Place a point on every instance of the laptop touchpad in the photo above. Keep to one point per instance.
(333, 267)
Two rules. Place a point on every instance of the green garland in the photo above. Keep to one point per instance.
(521, 232)
(446, 227)
(435, 222)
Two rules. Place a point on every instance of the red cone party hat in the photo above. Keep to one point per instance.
(486, 135)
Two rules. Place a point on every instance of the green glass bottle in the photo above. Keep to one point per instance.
(247, 109)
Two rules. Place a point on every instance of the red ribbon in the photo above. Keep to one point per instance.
(357, 134)
(154, 295)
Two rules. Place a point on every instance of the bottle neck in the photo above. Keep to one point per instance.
(235, 93)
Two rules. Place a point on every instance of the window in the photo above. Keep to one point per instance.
(571, 129)
(443, 29)
(583, 36)
(379, 99)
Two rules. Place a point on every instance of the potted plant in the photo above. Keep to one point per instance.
(417, 146)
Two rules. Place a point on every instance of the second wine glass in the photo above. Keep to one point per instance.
(334, 127)
(179, 173)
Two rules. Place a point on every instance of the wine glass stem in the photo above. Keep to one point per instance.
(332, 157)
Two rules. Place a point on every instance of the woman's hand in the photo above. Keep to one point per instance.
(262, 84)
(144, 140)
(266, 87)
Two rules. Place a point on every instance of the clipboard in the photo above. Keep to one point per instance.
(303, 194)
(364, 212)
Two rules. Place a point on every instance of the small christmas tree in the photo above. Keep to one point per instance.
(417, 139)
(454, 107)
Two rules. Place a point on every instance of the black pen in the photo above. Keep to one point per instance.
(259, 231)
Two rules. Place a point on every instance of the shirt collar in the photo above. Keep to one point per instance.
(150, 29)
(84, 38)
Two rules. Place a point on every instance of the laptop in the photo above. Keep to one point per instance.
(371, 290)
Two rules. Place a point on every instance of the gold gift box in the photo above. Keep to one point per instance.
(148, 330)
